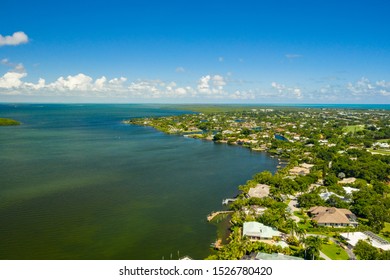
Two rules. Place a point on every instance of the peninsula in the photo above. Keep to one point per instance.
(330, 197)
(8, 122)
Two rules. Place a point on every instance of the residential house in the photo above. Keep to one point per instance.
(270, 257)
(258, 231)
(331, 216)
(260, 191)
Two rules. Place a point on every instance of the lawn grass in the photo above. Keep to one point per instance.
(353, 128)
(334, 251)
(386, 228)
(301, 216)
(379, 151)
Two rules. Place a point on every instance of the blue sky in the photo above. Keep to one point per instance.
(195, 51)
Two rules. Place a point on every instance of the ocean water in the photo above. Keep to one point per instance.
(76, 183)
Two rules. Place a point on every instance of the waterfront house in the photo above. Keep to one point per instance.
(257, 231)
(275, 256)
(331, 216)
(302, 169)
(260, 191)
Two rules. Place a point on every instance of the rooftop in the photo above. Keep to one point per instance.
(275, 256)
(332, 215)
(376, 241)
(260, 230)
(259, 191)
(348, 180)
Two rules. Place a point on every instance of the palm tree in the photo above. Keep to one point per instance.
(292, 226)
(300, 232)
(312, 247)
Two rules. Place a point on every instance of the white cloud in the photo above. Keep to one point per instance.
(16, 67)
(287, 92)
(243, 95)
(80, 82)
(207, 87)
(181, 91)
(100, 83)
(15, 39)
(41, 84)
(180, 69)
(211, 85)
(221, 59)
(203, 84)
(218, 81)
(12, 80)
(364, 87)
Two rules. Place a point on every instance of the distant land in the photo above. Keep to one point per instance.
(8, 122)
(215, 108)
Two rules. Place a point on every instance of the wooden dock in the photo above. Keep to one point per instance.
(215, 214)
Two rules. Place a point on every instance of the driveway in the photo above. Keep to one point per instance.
(292, 204)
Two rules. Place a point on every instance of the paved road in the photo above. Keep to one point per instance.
(325, 257)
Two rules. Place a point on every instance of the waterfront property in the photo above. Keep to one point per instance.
(257, 231)
(331, 216)
(260, 191)
(302, 169)
(275, 256)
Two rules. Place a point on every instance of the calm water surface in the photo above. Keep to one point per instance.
(76, 183)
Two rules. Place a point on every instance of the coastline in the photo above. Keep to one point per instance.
(305, 163)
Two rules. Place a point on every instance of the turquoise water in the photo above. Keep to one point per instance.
(76, 183)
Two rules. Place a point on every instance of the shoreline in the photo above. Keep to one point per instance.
(305, 142)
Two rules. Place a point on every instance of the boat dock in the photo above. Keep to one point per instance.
(215, 214)
(228, 200)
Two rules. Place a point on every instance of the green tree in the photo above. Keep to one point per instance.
(330, 180)
(365, 251)
(377, 216)
(313, 246)
(218, 137)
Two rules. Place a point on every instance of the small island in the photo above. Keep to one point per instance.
(8, 122)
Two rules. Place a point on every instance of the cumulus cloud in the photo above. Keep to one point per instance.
(203, 84)
(212, 85)
(287, 92)
(206, 87)
(364, 87)
(15, 39)
(12, 80)
(79, 82)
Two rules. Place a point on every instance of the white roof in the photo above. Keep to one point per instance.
(326, 195)
(353, 238)
(350, 190)
(259, 230)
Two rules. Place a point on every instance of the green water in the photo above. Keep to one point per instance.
(76, 183)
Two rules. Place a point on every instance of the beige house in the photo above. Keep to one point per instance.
(260, 191)
(302, 169)
(331, 216)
